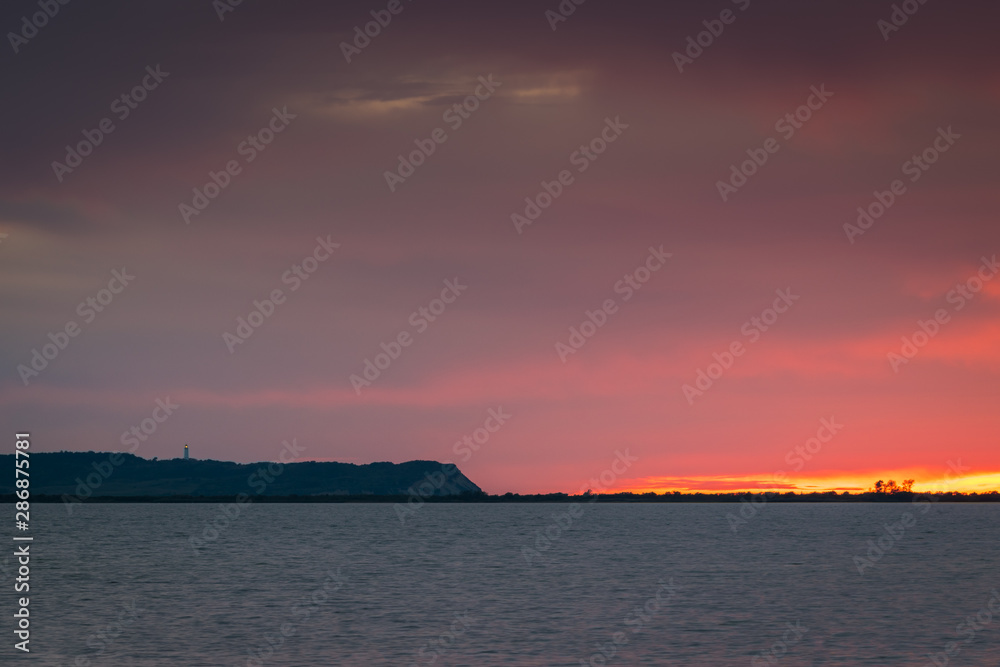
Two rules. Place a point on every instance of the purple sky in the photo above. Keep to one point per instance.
(655, 184)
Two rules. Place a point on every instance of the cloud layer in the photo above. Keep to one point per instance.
(323, 176)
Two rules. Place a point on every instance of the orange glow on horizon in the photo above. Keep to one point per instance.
(981, 482)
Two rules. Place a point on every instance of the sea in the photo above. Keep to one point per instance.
(210, 585)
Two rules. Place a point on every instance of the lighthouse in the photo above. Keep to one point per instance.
(186, 457)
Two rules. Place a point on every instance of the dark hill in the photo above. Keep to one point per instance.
(106, 474)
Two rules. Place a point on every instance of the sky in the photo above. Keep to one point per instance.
(640, 256)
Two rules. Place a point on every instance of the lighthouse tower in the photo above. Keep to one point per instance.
(186, 453)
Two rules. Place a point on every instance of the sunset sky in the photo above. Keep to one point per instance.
(648, 206)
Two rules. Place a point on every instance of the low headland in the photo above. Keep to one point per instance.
(113, 477)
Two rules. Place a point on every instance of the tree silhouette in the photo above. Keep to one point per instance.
(890, 487)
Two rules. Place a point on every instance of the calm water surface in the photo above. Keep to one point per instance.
(352, 585)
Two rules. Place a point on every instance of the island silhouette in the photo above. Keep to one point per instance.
(76, 477)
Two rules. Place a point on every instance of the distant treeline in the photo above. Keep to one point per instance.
(480, 497)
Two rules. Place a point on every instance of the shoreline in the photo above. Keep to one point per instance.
(621, 498)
